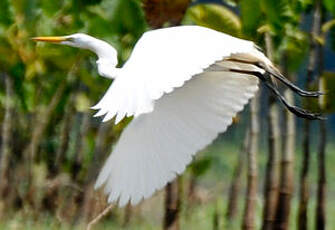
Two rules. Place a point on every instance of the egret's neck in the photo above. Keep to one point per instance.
(107, 57)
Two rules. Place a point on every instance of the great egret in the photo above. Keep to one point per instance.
(183, 85)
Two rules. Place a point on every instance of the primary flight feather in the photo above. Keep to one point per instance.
(183, 85)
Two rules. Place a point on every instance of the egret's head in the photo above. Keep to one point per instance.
(78, 40)
(106, 53)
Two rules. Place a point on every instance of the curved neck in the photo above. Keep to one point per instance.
(103, 50)
(107, 57)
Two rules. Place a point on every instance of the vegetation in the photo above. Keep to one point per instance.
(52, 148)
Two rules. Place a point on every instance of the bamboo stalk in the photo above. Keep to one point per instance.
(320, 212)
(236, 181)
(271, 186)
(6, 135)
(64, 136)
(248, 222)
(304, 181)
(172, 205)
(286, 170)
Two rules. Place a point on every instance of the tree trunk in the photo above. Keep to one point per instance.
(64, 136)
(172, 205)
(320, 213)
(83, 119)
(248, 222)
(286, 169)
(272, 168)
(321, 190)
(216, 219)
(6, 137)
(41, 121)
(304, 184)
(88, 209)
(236, 181)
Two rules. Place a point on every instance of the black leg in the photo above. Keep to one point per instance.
(280, 77)
(294, 109)
(293, 87)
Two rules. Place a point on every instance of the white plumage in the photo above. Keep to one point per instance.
(158, 145)
(163, 60)
(178, 85)
(168, 130)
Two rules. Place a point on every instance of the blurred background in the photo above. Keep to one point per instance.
(270, 170)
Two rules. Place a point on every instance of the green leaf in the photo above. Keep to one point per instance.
(91, 2)
(50, 7)
(216, 17)
(295, 46)
(5, 15)
(327, 85)
(330, 6)
(328, 25)
(200, 166)
(124, 16)
(277, 12)
(251, 16)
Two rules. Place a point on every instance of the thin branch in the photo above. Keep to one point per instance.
(101, 215)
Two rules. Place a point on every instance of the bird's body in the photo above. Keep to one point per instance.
(183, 85)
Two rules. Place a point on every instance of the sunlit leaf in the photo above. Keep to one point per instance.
(329, 5)
(328, 25)
(82, 102)
(251, 16)
(277, 12)
(216, 17)
(327, 85)
(295, 48)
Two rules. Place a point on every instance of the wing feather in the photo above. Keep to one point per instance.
(163, 60)
(157, 146)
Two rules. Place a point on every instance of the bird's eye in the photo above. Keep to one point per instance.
(70, 39)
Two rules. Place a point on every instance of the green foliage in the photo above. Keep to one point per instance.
(124, 17)
(5, 16)
(327, 85)
(201, 166)
(294, 46)
(251, 17)
(216, 17)
(330, 6)
(275, 12)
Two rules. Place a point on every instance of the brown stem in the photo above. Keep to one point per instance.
(89, 201)
(6, 149)
(248, 222)
(286, 170)
(84, 119)
(64, 136)
(236, 181)
(172, 205)
(304, 184)
(320, 213)
(271, 187)
(322, 182)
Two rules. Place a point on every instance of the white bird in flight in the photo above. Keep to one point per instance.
(183, 85)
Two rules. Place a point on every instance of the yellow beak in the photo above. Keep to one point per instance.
(50, 39)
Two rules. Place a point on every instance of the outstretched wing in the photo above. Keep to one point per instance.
(163, 60)
(157, 146)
